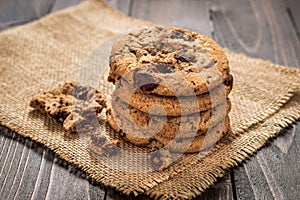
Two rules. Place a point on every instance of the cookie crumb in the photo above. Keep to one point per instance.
(102, 146)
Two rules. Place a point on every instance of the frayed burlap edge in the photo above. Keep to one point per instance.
(235, 153)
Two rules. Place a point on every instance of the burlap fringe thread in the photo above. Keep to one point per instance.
(189, 176)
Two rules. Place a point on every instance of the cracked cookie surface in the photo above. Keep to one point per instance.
(169, 61)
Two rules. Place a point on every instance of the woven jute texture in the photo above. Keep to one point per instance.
(39, 55)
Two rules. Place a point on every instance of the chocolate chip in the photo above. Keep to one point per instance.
(188, 70)
(210, 64)
(153, 53)
(229, 81)
(145, 82)
(165, 68)
(133, 51)
(122, 134)
(149, 87)
(183, 57)
(159, 28)
(81, 92)
(109, 79)
(176, 35)
(58, 117)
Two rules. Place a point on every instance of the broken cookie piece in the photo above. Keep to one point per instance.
(102, 146)
(160, 159)
(74, 105)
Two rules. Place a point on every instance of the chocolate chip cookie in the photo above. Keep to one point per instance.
(169, 61)
(171, 106)
(197, 142)
(72, 104)
(145, 126)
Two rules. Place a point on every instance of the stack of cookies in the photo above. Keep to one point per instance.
(172, 88)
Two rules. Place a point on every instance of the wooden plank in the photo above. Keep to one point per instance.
(220, 190)
(62, 4)
(18, 12)
(273, 172)
(293, 8)
(192, 14)
(33, 172)
(122, 5)
(263, 29)
(66, 185)
(250, 27)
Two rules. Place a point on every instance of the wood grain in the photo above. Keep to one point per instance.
(192, 14)
(266, 32)
(124, 6)
(61, 4)
(29, 171)
(292, 8)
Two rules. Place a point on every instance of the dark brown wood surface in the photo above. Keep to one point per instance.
(268, 29)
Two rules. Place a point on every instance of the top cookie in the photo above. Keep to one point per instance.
(169, 61)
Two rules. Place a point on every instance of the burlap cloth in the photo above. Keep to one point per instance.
(39, 55)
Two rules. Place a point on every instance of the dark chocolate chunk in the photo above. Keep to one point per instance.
(60, 116)
(188, 70)
(153, 53)
(148, 87)
(176, 35)
(122, 134)
(133, 51)
(144, 82)
(210, 64)
(80, 92)
(229, 81)
(165, 68)
(183, 57)
(109, 79)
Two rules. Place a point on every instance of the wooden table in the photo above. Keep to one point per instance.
(267, 29)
